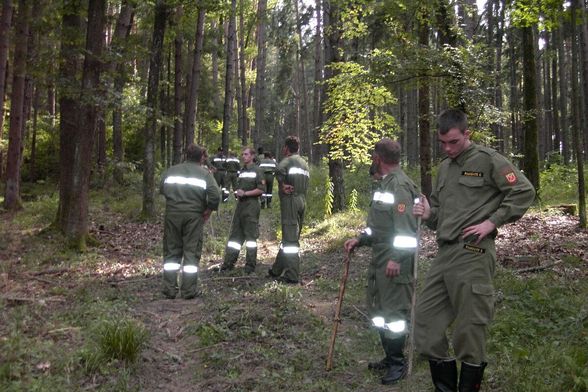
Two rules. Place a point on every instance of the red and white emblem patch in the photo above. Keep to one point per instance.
(401, 208)
(511, 178)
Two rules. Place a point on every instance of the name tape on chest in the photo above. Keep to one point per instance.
(473, 248)
(468, 173)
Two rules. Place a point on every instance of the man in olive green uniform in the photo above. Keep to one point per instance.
(219, 169)
(476, 191)
(391, 232)
(268, 165)
(191, 194)
(232, 166)
(293, 177)
(250, 186)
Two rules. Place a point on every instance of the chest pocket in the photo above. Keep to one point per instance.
(471, 182)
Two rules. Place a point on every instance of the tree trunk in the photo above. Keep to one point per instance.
(304, 122)
(73, 208)
(5, 21)
(214, 60)
(584, 51)
(412, 131)
(424, 104)
(576, 110)
(12, 199)
(152, 105)
(237, 86)
(260, 127)
(554, 101)
(192, 99)
(331, 18)
(179, 133)
(229, 74)
(33, 160)
(244, 121)
(118, 67)
(318, 79)
(530, 108)
(563, 93)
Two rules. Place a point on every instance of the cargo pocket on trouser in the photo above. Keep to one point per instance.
(482, 303)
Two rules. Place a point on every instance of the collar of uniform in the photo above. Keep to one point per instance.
(464, 154)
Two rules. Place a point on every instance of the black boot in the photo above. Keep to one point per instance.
(385, 362)
(394, 354)
(470, 378)
(444, 374)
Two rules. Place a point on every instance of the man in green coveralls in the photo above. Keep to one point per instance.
(391, 233)
(476, 191)
(293, 177)
(268, 166)
(250, 185)
(191, 195)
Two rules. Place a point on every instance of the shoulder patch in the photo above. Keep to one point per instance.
(510, 176)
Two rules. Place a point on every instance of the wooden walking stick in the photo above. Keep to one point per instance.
(337, 319)
(414, 290)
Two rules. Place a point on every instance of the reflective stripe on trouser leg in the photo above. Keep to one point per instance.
(192, 240)
(189, 281)
(170, 277)
(231, 253)
(251, 257)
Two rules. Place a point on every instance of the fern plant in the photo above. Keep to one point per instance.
(329, 198)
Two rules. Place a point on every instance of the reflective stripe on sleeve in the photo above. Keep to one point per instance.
(234, 245)
(384, 197)
(405, 242)
(248, 175)
(171, 266)
(272, 165)
(297, 170)
(179, 180)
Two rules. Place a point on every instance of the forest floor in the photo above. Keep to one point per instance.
(245, 332)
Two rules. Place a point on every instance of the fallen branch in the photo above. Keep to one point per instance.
(539, 267)
(51, 271)
(26, 299)
(235, 277)
(51, 282)
(65, 329)
(205, 348)
(126, 281)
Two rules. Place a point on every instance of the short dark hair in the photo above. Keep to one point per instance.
(194, 152)
(260, 150)
(388, 150)
(452, 118)
(292, 143)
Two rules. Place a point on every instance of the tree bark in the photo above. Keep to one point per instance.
(119, 68)
(12, 199)
(74, 162)
(260, 126)
(304, 122)
(576, 110)
(563, 93)
(530, 108)
(161, 10)
(192, 99)
(318, 79)
(5, 21)
(243, 121)
(424, 104)
(229, 74)
(331, 18)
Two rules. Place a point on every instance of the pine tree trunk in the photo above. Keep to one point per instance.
(118, 67)
(304, 123)
(5, 21)
(73, 218)
(424, 104)
(12, 199)
(576, 113)
(260, 127)
(229, 74)
(563, 93)
(530, 108)
(155, 64)
(318, 79)
(412, 131)
(192, 98)
(179, 133)
(243, 121)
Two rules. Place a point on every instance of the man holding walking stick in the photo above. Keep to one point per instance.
(391, 233)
